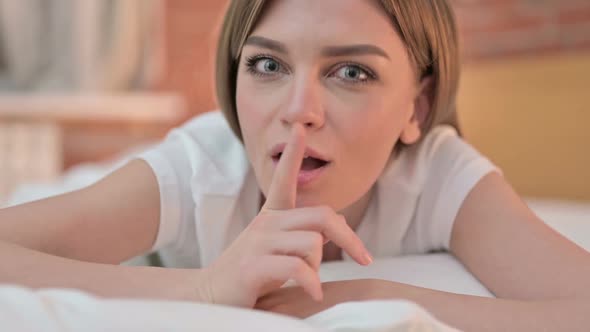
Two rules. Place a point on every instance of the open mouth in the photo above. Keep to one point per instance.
(308, 164)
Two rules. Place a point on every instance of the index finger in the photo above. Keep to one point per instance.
(283, 188)
(331, 225)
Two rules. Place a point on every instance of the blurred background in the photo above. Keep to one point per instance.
(85, 83)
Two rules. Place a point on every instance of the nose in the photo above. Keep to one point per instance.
(304, 106)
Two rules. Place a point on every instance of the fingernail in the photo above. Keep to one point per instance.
(319, 297)
(368, 259)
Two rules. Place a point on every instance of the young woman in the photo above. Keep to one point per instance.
(337, 140)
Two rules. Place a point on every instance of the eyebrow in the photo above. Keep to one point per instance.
(267, 43)
(330, 51)
(363, 49)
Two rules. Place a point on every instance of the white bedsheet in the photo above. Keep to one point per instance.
(571, 219)
(436, 271)
(68, 310)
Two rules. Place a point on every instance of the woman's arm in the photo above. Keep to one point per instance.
(69, 241)
(34, 269)
(512, 252)
(541, 279)
(109, 222)
(468, 313)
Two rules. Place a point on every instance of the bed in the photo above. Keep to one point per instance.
(69, 310)
(499, 100)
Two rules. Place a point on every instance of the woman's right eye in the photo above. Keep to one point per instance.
(263, 66)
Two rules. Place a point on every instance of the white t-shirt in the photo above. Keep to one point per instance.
(209, 194)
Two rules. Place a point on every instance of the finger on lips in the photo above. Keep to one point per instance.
(283, 188)
(297, 254)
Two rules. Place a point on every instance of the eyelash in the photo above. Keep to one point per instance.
(371, 76)
(252, 61)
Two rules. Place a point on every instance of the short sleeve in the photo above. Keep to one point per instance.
(198, 162)
(171, 165)
(452, 169)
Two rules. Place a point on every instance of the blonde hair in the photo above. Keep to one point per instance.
(427, 28)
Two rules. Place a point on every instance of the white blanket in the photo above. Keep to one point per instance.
(64, 311)
(67, 310)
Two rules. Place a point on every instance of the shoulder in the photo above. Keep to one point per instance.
(212, 122)
(205, 151)
(441, 143)
(211, 132)
(437, 152)
(210, 136)
(448, 168)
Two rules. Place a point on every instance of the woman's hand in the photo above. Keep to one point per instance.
(282, 242)
(292, 301)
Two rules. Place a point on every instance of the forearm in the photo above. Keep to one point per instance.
(471, 313)
(122, 211)
(34, 269)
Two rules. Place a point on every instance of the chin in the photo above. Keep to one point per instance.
(308, 200)
(311, 199)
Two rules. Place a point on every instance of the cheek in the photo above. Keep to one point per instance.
(255, 104)
(370, 132)
(372, 147)
(372, 122)
(247, 108)
(249, 115)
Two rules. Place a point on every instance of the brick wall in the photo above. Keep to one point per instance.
(489, 28)
(191, 27)
(492, 28)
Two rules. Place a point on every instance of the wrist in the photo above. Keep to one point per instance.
(387, 290)
(374, 289)
(347, 290)
(202, 286)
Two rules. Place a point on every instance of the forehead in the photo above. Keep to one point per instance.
(328, 22)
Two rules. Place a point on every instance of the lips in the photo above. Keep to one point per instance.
(278, 149)
(308, 163)
(311, 160)
(313, 165)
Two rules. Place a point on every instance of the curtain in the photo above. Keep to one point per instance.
(80, 45)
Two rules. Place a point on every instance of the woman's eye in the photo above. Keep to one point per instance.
(268, 66)
(353, 74)
(263, 66)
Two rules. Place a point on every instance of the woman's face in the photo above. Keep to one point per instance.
(339, 68)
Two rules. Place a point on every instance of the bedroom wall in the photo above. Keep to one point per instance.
(500, 28)
(531, 116)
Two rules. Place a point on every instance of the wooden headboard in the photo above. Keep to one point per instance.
(531, 116)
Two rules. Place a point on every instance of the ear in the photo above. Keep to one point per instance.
(421, 109)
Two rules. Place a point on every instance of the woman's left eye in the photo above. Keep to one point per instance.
(354, 74)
